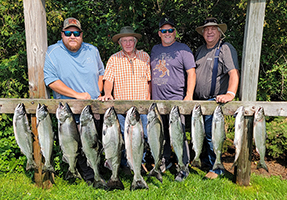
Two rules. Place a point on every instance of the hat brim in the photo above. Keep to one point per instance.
(116, 37)
(223, 27)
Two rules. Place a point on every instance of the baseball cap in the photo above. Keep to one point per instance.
(166, 20)
(72, 22)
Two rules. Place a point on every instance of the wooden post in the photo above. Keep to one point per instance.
(249, 80)
(36, 43)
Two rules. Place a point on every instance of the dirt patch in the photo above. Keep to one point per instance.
(276, 167)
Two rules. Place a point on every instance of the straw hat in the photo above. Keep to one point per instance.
(211, 22)
(125, 32)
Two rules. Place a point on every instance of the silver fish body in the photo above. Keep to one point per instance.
(90, 145)
(238, 135)
(68, 138)
(23, 134)
(177, 135)
(45, 135)
(218, 136)
(259, 132)
(155, 139)
(134, 145)
(112, 141)
(197, 134)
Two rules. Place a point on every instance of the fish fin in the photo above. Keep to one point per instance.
(31, 165)
(262, 165)
(139, 184)
(64, 159)
(69, 175)
(48, 168)
(218, 165)
(115, 184)
(156, 174)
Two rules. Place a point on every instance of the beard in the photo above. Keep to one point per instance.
(74, 47)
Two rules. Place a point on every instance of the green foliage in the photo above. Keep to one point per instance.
(276, 143)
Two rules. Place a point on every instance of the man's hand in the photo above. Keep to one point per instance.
(106, 98)
(224, 98)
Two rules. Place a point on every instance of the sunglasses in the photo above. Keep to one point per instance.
(167, 30)
(69, 33)
(210, 20)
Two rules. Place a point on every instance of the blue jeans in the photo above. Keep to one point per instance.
(208, 141)
(122, 124)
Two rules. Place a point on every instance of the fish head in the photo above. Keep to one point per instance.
(19, 111)
(133, 116)
(110, 116)
(196, 110)
(152, 112)
(174, 114)
(218, 112)
(41, 112)
(259, 114)
(86, 115)
(63, 112)
(240, 110)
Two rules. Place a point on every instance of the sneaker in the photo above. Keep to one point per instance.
(180, 176)
(165, 165)
(211, 175)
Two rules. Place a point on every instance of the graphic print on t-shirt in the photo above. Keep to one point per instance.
(160, 71)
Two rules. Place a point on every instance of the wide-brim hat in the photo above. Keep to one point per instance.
(125, 32)
(211, 22)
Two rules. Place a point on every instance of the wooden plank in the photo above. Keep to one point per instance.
(36, 43)
(249, 80)
(252, 49)
(121, 106)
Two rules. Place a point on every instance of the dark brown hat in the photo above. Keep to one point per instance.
(211, 22)
(125, 32)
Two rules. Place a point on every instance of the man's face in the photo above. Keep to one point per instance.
(167, 38)
(211, 35)
(128, 44)
(71, 42)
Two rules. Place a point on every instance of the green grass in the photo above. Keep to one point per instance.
(19, 186)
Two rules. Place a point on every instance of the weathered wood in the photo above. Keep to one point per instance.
(252, 49)
(121, 106)
(36, 43)
(249, 79)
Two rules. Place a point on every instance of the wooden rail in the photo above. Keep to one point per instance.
(121, 106)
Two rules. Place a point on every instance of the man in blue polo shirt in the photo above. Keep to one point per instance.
(74, 70)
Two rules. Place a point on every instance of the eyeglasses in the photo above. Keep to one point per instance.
(167, 30)
(127, 41)
(69, 33)
(210, 20)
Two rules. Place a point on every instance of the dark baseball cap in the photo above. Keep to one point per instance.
(166, 20)
(71, 22)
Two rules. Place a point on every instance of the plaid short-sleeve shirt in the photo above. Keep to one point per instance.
(130, 76)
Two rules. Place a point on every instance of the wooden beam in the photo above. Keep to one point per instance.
(271, 108)
(249, 80)
(36, 43)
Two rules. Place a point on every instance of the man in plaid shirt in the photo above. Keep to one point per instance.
(127, 75)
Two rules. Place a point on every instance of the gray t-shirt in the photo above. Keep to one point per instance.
(204, 64)
(168, 70)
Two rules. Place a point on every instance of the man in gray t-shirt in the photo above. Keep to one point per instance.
(226, 79)
(172, 78)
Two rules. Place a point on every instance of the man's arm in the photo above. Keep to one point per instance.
(61, 88)
(108, 87)
(232, 87)
(101, 84)
(191, 80)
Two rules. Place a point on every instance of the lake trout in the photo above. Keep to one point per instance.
(259, 132)
(134, 145)
(23, 134)
(68, 138)
(197, 134)
(90, 144)
(155, 139)
(45, 135)
(218, 136)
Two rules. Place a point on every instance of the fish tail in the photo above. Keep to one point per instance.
(217, 165)
(31, 165)
(115, 184)
(263, 165)
(100, 184)
(156, 174)
(139, 184)
(48, 168)
(196, 162)
(70, 174)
